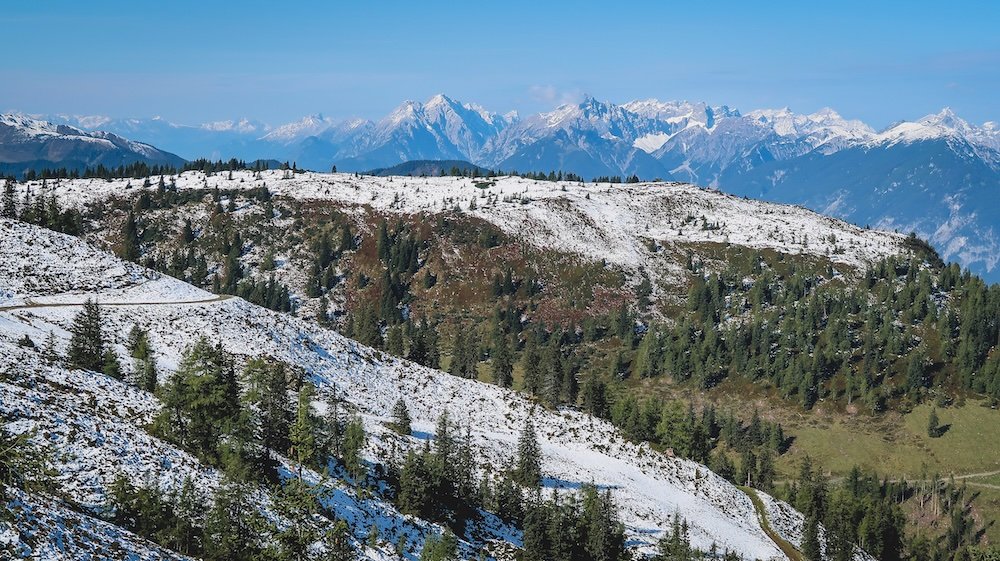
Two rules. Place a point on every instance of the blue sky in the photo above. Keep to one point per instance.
(197, 61)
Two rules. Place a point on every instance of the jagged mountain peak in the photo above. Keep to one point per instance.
(942, 125)
(683, 113)
(306, 126)
(242, 125)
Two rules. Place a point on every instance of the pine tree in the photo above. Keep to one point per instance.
(130, 239)
(302, 433)
(200, 402)
(604, 534)
(401, 418)
(675, 545)
(297, 504)
(382, 241)
(147, 376)
(354, 443)
(528, 470)
(268, 392)
(531, 364)
(415, 485)
(233, 526)
(338, 544)
(49, 352)
(27, 207)
(933, 424)
(647, 356)
(9, 207)
(503, 368)
(811, 548)
(536, 535)
(185, 532)
(333, 428)
(22, 465)
(187, 232)
(443, 548)
(111, 367)
(86, 344)
(394, 341)
(323, 313)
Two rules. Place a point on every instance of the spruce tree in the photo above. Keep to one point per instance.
(933, 424)
(234, 525)
(302, 433)
(147, 376)
(811, 547)
(458, 360)
(333, 427)
(130, 239)
(394, 341)
(401, 418)
(22, 465)
(9, 207)
(531, 364)
(415, 485)
(49, 352)
(111, 366)
(604, 534)
(528, 470)
(199, 401)
(502, 363)
(184, 535)
(86, 344)
(338, 543)
(443, 548)
(354, 443)
(268, 393)
(296, 503)
(535, 531)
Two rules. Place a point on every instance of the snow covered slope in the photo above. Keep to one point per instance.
(616, 223)
(94, 424)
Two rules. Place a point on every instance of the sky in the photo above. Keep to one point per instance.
(192, 62)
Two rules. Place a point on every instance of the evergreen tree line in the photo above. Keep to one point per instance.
(864, 511)
(379, 321)
(206, 413)
(135, 170)
(139, 170)
(582, 527)
(325, 257)
(189, 264)
(233, 164)
(907, 329)
(42, 209)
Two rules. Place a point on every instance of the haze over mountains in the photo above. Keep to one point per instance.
(938, 176)
(27, 143)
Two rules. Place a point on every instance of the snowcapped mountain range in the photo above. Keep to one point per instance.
(693, 142)
(27, 143)
(938, 176)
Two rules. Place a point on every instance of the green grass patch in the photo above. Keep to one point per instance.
(898, 446)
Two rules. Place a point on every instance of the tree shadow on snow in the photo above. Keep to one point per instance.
(557, 483)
